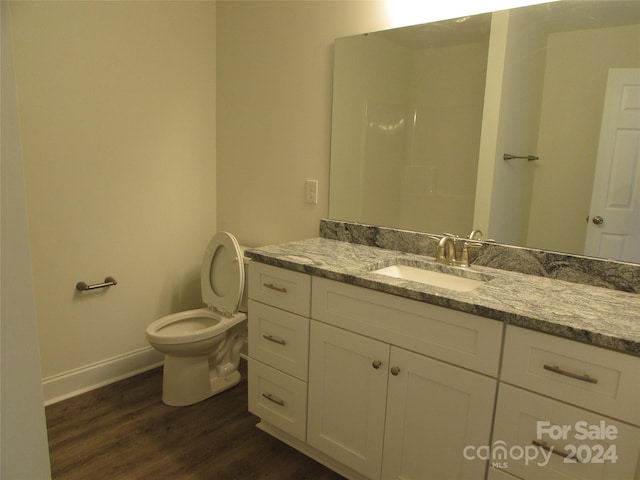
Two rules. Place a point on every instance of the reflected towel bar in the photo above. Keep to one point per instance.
(108, 282)
(508, 156)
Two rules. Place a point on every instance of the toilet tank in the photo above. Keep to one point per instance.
(245, 292)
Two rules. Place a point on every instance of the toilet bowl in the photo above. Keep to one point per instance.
(202, 347)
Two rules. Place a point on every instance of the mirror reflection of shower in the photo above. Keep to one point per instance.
(420, 146)
(544, 95)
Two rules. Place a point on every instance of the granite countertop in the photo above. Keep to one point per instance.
(599, 316)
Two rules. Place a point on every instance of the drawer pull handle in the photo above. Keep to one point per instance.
(273, 339)
(584, 378)
(376, 364)
(273, 399)
(275, 287)
(395, 371)
(557, 451)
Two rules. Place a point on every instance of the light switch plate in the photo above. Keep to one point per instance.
(311, 191)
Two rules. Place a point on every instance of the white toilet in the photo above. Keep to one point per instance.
(202, 347)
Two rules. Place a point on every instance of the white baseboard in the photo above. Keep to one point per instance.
(74, 382)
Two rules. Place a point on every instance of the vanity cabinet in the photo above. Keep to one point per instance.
(279, 305)
(377, 386)
(379, 403)
(578, 399)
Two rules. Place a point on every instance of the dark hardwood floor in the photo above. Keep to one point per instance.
(124, 431)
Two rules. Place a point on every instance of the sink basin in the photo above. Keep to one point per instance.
(431, 277)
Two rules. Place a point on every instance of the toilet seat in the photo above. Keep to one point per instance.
(222, 274)
(190, 326)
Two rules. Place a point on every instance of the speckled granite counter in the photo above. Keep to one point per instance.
(599, 316)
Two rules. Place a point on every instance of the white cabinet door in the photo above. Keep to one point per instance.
(435, 410)
(347, 395)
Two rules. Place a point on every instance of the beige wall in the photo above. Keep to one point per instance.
(274, 105)
(274, 111)
(131, 166)
(514, 90)
(117, 112)
(574, 92)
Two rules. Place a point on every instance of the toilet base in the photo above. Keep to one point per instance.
(188, 380)
(220, 384)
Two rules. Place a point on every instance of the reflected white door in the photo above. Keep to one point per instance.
(614, 221)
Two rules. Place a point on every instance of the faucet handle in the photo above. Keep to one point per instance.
(433, 238)
(464, 254)
(476, 234)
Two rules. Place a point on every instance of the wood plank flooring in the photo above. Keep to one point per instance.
(124, 432)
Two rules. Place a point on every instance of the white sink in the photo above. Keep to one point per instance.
(430, 277)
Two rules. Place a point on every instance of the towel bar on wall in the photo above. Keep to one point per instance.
(108, 282)
(508, 156)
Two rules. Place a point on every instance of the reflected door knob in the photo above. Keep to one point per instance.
(597, 220)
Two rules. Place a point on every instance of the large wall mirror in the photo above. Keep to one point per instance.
(423, 117)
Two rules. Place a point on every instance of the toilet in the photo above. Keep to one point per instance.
(202, 347)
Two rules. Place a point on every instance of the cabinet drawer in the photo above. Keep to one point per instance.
(279, 339)
(281, 288)
(497, 474)
(585, 375)
(456, 337)
(524, 418)
(278, 399)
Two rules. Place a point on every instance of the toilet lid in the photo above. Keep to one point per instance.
(222, 277)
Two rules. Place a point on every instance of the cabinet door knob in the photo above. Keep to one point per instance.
(395, 370)
(376, 364)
